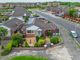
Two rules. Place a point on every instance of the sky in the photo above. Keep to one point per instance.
(3, 1)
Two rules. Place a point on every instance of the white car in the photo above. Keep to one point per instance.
(74, 34)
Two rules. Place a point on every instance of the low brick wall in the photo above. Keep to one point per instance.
(31, 48)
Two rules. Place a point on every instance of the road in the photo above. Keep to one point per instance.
(68, 41)
(69, 26)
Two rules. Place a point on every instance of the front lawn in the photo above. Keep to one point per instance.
(28, 58)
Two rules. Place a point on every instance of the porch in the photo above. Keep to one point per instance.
(30, 39)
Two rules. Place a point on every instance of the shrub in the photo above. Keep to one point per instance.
(17, 38)
(36, 45)
(55, 40)
(26, 18)
(35, 15)
(2, 47)
(7, 49)
(37, 38)
(49, 33)
(26, 44)
(40, 43)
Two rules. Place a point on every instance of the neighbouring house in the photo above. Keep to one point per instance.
(52, 4)
(19, 4)
(15, 25)
(19, 12)
(16, 22)
(78, 11)
(58, 10)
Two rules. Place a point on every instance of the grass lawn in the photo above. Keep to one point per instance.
(28, 58)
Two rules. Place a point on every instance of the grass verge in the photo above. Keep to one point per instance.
(28, 58)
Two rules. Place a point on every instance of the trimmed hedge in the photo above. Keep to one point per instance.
(7, 49)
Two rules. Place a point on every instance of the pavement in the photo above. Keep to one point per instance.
(71, 46)
(68, 25)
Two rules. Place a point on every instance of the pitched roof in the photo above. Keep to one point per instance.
(44, 24)
(33, 27)
(19, 11)
(13, 23)
(5, 27)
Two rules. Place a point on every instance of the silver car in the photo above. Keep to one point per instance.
(74, 34)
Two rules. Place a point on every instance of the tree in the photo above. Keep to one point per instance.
(3, 33)
(26, 18)
(17, 39)
(72, 12)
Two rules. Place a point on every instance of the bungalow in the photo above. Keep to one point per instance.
(14, 25)
(40, 26)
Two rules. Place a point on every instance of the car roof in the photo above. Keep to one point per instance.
(73, 31)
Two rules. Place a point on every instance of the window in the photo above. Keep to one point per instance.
(29, 31)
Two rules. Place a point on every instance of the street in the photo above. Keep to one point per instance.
(69, 26)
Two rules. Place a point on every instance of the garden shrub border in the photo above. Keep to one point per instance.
(7, 49)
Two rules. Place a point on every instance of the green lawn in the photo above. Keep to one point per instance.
(28, 58)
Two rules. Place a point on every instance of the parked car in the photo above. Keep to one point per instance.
(74, 34)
